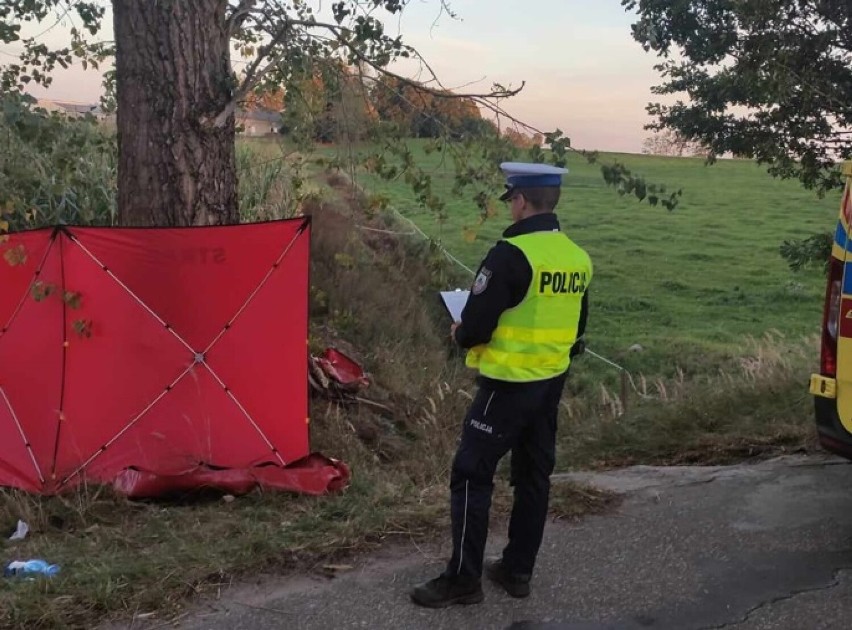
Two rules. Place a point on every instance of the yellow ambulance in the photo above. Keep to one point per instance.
(832, 387)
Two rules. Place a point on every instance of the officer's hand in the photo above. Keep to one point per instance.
(453, 330)
(577, 349)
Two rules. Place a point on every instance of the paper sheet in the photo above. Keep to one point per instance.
(454, 302)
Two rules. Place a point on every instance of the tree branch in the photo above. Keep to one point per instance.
(440, 93)
(253, 75)
(240, 13)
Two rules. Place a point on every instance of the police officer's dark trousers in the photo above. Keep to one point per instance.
(516, 417)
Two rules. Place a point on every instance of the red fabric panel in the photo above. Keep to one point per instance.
(193, 278)
(31, 356)
(263, 357)
(115, 373)
(196, 423)
(314, 475)
(21, 255)
(16, 466)
(133, 393)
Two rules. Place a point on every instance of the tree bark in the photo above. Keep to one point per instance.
(173, 77)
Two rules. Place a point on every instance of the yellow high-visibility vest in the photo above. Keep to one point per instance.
(533, 339)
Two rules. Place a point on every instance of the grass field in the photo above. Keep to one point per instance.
(689, 285)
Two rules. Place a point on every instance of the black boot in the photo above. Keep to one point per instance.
(515, 584)
(447, 590)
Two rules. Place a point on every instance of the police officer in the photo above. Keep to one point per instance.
(522, 324)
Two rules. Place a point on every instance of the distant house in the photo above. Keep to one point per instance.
(255, 122)
(74, 110)
(258, 122)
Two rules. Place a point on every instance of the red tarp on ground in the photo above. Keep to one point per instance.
(157, 354)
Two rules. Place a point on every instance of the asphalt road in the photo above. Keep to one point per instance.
(757, 547)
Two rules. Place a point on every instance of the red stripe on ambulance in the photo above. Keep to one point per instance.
(846, 317)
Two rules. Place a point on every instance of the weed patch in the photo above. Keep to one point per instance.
(757, 406)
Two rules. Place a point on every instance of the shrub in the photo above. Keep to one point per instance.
(54, 169)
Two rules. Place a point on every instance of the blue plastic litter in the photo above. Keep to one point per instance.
(30, 568)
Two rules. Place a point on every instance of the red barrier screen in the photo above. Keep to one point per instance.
(165, 350)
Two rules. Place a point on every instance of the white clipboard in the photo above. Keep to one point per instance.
(454, 302)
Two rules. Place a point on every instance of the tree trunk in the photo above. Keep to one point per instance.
(173, 77)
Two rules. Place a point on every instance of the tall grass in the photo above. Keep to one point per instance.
(59, 170)
(755, 405)
(274, 179)
(264, 190)
(53, 169)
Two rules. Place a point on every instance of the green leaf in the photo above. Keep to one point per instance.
(72, 299)
(41, 290)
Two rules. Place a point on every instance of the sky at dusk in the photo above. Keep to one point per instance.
(583, 72)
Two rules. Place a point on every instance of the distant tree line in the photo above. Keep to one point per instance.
(334, 102)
